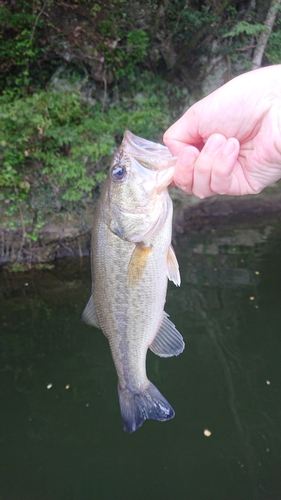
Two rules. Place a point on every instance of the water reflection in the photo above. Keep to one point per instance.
(60, 430)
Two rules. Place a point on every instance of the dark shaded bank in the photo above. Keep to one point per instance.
(213, 212)
(69, 236)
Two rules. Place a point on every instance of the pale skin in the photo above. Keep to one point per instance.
(230, 141)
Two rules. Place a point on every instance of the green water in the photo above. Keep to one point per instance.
(61, 436)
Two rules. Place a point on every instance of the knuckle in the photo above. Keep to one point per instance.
(202, 168)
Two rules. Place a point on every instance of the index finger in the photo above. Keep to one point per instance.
(184, 132)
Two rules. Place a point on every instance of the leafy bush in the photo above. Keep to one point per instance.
(55, 148)
(123, 59)
(245, 28)
(19, 35)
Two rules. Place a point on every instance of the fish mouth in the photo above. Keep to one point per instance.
(151, 155)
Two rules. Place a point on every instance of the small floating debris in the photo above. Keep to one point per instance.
(257, 273)
(49, 386)
(67, 386)
(252, 297)
(207, 433)
(268, 382)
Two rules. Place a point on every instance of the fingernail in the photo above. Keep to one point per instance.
(215, 142)
(228, 148)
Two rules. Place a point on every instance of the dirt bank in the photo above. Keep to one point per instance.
(66, 236)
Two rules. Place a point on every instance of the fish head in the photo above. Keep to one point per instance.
(136, 197)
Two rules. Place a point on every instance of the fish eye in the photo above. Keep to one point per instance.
(118, 173)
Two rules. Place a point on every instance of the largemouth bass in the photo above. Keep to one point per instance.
(132, 259)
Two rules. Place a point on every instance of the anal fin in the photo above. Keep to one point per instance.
(168, 341)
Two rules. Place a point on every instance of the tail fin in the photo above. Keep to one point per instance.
(136, 407)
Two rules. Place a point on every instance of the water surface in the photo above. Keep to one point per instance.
(61, 436)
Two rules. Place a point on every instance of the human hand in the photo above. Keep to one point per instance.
(230, 141)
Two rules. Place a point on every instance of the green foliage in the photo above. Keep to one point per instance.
(185, 21)
(55, 148)
(48, 130)
(111, 40)
(18, 47)
(123, 57)
(244, 28)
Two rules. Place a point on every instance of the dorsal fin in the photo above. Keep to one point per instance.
(168, 341)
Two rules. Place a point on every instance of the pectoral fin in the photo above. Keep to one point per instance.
(89, 314)
(137, 263)
(173, 267)
(168, 341)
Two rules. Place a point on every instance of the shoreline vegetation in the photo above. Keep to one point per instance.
(74, 75)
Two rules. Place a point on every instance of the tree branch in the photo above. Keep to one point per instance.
(264, 36)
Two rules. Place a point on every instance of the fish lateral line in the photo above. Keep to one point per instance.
(138, 263)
